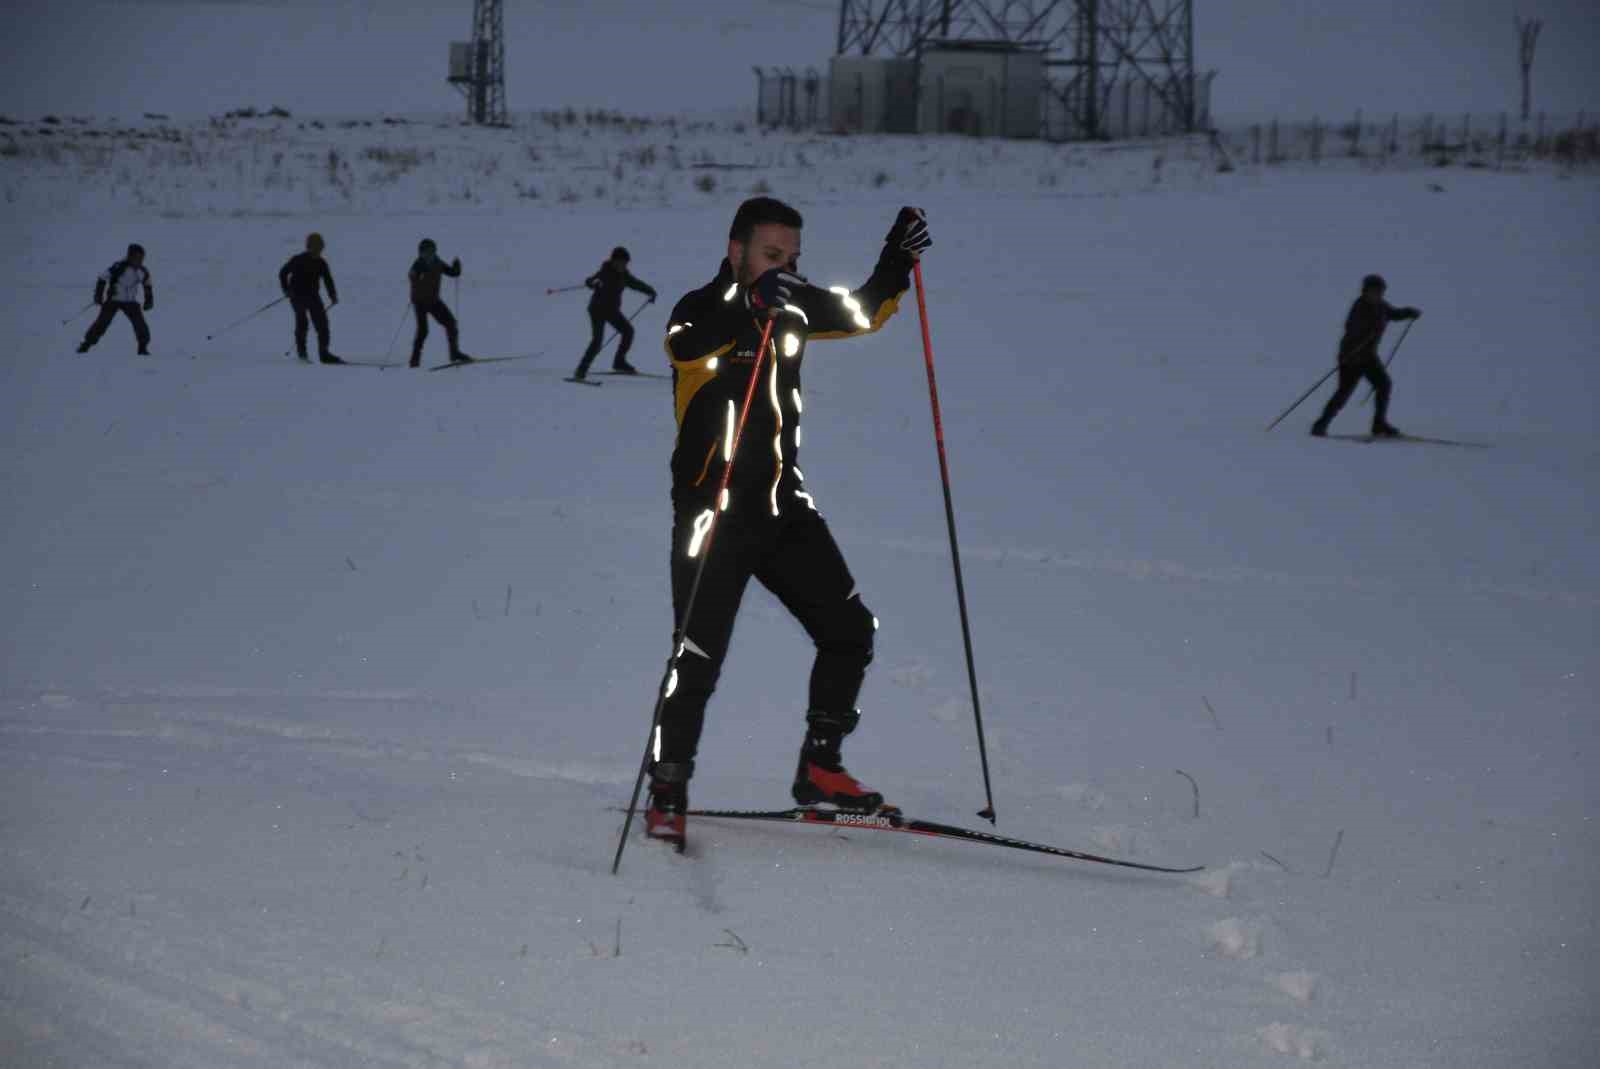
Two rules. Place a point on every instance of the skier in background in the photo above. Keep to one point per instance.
(301, 280)
(118, 290)
(1358, 357)
(426, 273)
(768, 527)
(605, 306)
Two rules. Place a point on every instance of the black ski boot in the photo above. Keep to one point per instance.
(329, 358)
(664, 818)
(820, 777)
(83, 347)
(1386, 430)
(459, 357)
(1319, 429)
(624, 368)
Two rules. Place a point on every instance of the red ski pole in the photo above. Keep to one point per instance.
(987, 812)
(694, 592)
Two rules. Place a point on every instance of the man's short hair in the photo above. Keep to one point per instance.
(757, 210)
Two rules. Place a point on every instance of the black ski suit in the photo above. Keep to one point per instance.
(1358, 359)
(769, 528)
(425, 278)
(301, 279)
(118, 290)
(605, 306)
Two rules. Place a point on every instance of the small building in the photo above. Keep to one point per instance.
(872, 95)
(982, 88)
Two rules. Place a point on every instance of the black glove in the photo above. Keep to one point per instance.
(149, 303)
(99, 293)
(456, 263)
(1409, 313)
(767, 296)
(910, 232)
(651, 299)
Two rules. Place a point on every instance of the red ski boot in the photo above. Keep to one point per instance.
(664, 817)
(820, 778)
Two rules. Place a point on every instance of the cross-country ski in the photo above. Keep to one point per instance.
(889, 818)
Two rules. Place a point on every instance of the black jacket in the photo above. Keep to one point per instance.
(1363, 329)
(300, 277)
(712, 340)
(608, 283)
(425, 278)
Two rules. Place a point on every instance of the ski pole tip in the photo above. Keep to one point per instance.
(987, 814)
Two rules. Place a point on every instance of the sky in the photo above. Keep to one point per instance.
(190, 58)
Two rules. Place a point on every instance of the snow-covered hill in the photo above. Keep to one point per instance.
(317, 686)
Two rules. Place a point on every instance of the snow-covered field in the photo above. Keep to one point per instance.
(318, 686)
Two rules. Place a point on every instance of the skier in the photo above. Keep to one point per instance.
(768, 527)
(117, 290)
(605, 306)
(425, 300)
(301, 279)
(1358, 357)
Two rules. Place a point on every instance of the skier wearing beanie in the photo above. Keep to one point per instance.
(1358, 356)
(426, 273)
(301, 280)
(605, 306)
(118, 290)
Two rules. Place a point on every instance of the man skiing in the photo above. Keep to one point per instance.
(301, 280)
(1358, 356)
(118, 290)
(605, 306)
(426, 273)
(767, 526)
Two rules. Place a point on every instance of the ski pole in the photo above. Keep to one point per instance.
(1315, 386)
(615, 334)
(246, 319)
(1318, 383)
(78, 313)
(397, 326)
(987, 812)
(1401, 340)
(694, 592)
(564, 289)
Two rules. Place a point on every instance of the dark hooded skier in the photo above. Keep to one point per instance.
(767, 527)
(426, 274)
(1358, 357)
(123, 287)
(605, 306)
(301, 280)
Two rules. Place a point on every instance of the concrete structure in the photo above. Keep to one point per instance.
(872, 94)
(982, 88)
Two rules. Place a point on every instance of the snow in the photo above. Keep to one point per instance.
(319, 687)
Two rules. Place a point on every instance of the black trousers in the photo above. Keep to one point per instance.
(108, 312)
(598, 318)
(310, 309)
(795, 557)
(1350, 376)
(441, 312)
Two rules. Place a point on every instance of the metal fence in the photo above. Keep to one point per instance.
(791, 99)
(1481, 138)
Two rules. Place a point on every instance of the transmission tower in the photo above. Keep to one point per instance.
(477, 67)
(1091, 46)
